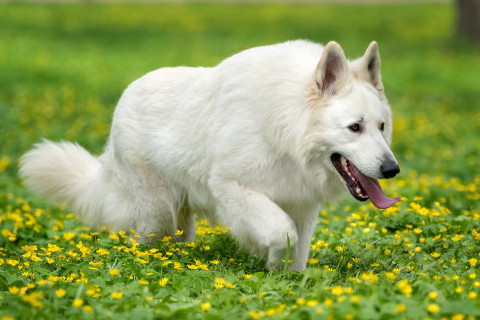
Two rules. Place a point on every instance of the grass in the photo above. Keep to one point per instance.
(63, 67)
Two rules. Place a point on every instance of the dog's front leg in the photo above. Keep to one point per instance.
(305, 218)
(256, 222)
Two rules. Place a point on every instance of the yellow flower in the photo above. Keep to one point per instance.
(116, 295)
(88, 309)
(255, 314)
(33, 299)
(114, 272)
(457, 237)
(77, 303)
(247, 276)
(433, 308)
(433, 295)
(60, 293)
(12, 262)
(205, 306)
(328, 302)
(390, 275)
(405, 287)
(472, 295)
(312, 303)
(274, 311)
(96, 263)
(369, 277)
(102, 252)
(53, 248)
(400, 308)
(143, 282)
(221, 283)
(163, 282)
(13, 290)
(84, 250)
(473, 262)
(337, 290)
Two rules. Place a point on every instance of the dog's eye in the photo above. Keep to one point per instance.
(356, 127)
(382, 126)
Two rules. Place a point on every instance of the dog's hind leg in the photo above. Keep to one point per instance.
(139, 197)
(186, 223)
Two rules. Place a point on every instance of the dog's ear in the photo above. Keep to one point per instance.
(332, 70)
(368, 69)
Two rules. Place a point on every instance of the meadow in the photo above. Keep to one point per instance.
(64, 66)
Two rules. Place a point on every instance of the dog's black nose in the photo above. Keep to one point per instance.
(389, 169)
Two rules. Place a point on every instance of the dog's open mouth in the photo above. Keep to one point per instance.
(360, 186)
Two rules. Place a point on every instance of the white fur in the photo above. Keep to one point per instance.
(247, 142)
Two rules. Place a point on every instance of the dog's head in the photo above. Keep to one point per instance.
(351, 122)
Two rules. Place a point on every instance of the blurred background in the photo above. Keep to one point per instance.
(63, 66)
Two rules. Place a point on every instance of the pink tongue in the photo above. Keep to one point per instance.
(375, 192)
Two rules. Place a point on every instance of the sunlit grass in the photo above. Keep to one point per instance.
(63, 67)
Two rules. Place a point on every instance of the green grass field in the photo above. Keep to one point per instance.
(62, 69)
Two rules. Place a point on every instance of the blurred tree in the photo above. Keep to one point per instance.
(468, 23)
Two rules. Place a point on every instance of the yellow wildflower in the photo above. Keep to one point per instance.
(405, 287)
(255, 314)
(473, 262)
(102, 252)
(400, 308)
(205, 306)
(163, 282)
(114, 272)
(60, 293)
(77, 303)
(88, 309)
(433, 308)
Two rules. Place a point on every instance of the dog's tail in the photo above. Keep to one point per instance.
(65, 173)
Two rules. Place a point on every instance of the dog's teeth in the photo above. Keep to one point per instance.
(343, 161)
(358, 190)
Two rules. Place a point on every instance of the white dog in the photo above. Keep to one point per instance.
(256, 143)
